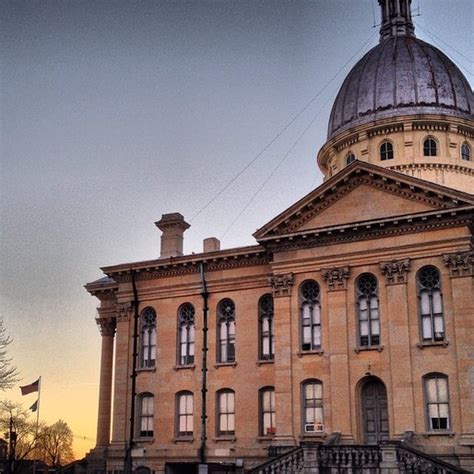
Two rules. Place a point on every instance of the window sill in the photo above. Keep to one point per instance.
(182, 367)
(225, 364)
(265, 361)
(146, 369)
(265, 439)
(225, 439)
(312, 436)
(424, 344)
(447, 433)
(318, 352)
(149, 440)
(183, 439)
(369, 348)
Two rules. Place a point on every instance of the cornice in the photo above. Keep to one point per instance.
(190, 264)
(358, 173)
(433, 166)
(412, 223)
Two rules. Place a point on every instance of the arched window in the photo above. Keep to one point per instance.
(430, 147)
(146, 410)
(430, 304)
(225, 412)
(350, 158)
(148, 338)
(368, 310)
(265, 317)
(437, 402)
(186, 334)
(465, 152)
(184, 413)
(386, 151)
(267, 411)
(226, 331)
(310, 309)
(312, 404)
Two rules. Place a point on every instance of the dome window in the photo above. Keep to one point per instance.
(350, 158)
(465, 152)
(386, 151)
(430, 147)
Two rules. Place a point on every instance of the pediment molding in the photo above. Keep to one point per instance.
(389, 181)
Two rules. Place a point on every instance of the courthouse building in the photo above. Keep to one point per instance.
(345, 330)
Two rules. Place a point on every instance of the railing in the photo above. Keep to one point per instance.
(291, 462)
(386, 458)
(411, 460)
(349, 456)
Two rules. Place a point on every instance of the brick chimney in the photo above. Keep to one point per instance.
(211, 244)
(173, 226)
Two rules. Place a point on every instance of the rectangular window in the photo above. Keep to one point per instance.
(437, 400)
(185, 414)
(226, 414)
(146, 415)
(267, 404)
(313, 407)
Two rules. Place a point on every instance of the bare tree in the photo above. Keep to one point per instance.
(55, 444)
(15, 422)
(8, 372)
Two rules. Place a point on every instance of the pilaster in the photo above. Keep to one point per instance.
(397, 317)
(281, 286)
(339, 386)
(461, 270)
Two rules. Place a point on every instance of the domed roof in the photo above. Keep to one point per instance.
(402, 75)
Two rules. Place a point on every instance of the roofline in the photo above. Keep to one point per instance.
(355, 168)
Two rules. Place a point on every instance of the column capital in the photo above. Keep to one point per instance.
(395, 271)
(281, 284)
(460, 263)
(106, 326)
(123, 311)
(336, 278)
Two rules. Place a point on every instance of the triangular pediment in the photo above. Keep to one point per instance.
(363, 192)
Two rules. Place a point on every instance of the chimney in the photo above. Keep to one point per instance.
(211, 245)
(173, 226)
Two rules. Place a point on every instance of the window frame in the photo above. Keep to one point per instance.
(187, 322)
(318, 403)
(464, 146)
(262, 412)
(219, 413)
(150, 417)
(428, 424)
(432, 315)
(146, 361)
(430, 146)
(229, 321)
(312, 304)
(386, 151)
(266, 314)
(359, 295)
(186, 415)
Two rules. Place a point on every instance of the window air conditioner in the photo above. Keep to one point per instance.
(313, 428)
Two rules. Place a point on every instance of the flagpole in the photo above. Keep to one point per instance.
(37, 420)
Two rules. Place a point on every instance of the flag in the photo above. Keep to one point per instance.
(34, 407)
(33, 387)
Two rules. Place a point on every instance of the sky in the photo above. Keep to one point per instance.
(115, 112)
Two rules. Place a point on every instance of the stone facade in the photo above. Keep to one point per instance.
(387, 249)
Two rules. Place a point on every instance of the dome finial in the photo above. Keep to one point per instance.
(396, 19)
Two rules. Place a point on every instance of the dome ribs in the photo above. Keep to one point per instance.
(402, 75)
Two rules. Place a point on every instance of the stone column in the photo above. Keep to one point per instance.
(339, 385)
(107, 329)
(281, 285)
(395, 272)
(461, 269)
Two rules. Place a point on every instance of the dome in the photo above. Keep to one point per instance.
(402, 75)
